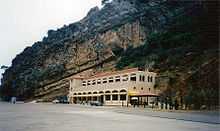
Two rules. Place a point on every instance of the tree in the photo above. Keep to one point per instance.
(4, 67)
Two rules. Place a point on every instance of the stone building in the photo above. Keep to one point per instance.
(114, 88)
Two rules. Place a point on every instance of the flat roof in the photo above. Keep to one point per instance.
(108, 73)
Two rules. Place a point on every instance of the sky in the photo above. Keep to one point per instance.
(23, 22)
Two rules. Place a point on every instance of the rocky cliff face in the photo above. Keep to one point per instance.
(90, 45)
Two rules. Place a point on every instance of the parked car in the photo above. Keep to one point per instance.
(96, 103)
(61, 99)
(55, 101)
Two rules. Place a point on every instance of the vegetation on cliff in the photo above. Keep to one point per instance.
(184, 55)
(177, 39)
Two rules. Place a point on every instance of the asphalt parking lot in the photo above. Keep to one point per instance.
(59, 117)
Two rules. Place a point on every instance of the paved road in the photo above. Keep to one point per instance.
(50, 117)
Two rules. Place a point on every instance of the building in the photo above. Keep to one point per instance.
(114, 88)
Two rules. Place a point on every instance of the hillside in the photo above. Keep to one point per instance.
(177, 39)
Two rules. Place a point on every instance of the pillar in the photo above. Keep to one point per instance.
(110, 98)
(119, 99)
(104, 98)
(127, 99)
(147, 101)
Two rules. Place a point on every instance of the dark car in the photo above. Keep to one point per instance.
(96, 103)
(62, 100)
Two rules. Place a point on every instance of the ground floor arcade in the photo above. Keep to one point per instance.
(117, 98)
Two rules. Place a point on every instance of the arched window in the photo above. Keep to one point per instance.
(115, 91)
(101, 92)
(108, 92)
(123, 90)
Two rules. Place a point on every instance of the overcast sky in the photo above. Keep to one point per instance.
(23, 22)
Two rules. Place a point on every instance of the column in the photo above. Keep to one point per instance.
(104, 98)
(127, 99)
(110, 98)
(147, 101)
(119, 98)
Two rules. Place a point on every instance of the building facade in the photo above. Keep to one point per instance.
(114, 88)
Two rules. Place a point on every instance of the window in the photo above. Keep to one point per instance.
(125, 78)
(148, 79)
(84, 83)
(115, 97)
(108, 92)
(151, 79)
(107, 97)
(149, 89)
(114, 91)
(134, 88)
(122, 97)
(111, 79)
(99, 81)
(142, 88)
(93, 82)
(123, 91)
(88, 83)
(117, 79)
(143, 78)
(104, 80)
(133, 77)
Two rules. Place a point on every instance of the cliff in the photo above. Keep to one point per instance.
(98, 42)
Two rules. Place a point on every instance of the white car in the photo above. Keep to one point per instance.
(55, 101)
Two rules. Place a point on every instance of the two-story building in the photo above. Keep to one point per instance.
(114, 88)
